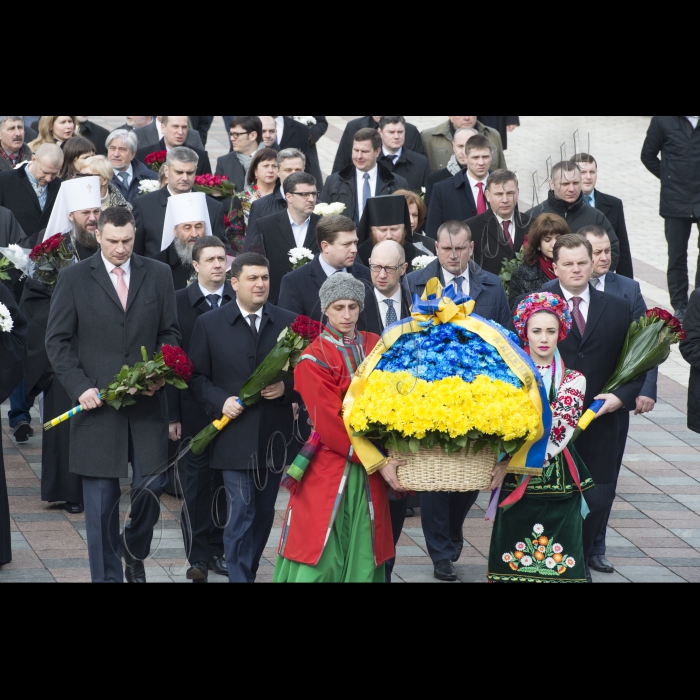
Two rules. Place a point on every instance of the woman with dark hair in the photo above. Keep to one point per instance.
(419, 213)
(538, 268)
(75, 152)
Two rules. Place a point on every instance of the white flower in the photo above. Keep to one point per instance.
(507, 558)
(309, 121)
(6, 322)
(570, 562)
(296, 255)
(329, 209)
(18, 257)
(550, 563)
(526, 561)
(557, 548)
(147, 186)
(538, 529)
(520, 546)
(422, 261)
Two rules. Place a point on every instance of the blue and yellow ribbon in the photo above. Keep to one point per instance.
(65, 417)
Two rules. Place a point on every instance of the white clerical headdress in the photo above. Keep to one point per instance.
(74, 195)
(182, 209)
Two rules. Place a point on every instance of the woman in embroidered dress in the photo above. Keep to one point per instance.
(538, 533)
(337, 528)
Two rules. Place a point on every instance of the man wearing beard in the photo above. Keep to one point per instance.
(186, 221)
(83, 233)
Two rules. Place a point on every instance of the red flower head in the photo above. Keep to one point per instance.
(157, 157)
(177, 360)
(670, 321)
(48, 246)
(307, 328)
(227, 221)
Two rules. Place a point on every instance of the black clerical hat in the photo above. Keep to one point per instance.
(388, 210)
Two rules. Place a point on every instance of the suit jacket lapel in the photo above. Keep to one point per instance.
(99, 272)
(468, 188)
(285, 228)
(137, 277)
(317, 273)
(28, 186)
(595, 312)
(556, 289)
(311, 232)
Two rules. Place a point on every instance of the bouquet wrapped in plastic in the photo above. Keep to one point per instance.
(45, 260)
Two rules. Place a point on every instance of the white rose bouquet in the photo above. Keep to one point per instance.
(18, 257)
(299, 257)
(309, 121)
(6, 322)
(422, 261)
(329, 209)
(148, 186)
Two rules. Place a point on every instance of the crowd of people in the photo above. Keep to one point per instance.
(159, 262)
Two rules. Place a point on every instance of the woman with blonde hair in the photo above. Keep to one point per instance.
(55, 130)
(111, 196)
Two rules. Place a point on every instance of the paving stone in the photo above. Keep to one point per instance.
(691, 575)
(672, 562)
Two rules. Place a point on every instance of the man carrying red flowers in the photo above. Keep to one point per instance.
(103, 311)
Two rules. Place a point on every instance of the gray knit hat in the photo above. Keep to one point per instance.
(341, 285)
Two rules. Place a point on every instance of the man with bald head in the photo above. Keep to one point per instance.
(456, 164)
(30, 192)
(269, 132)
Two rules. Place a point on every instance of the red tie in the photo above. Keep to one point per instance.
(506, 231)
(481, 203)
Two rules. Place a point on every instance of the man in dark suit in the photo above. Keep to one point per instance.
(464, 196)
(292, 134)
(503, 125)
(204, 544)
(343, 157)
(175, 130)
(94, 133)
(13, 149)
(152, 132)
(106, 309)
(598, 333)
(337, 241)
(295, 227)
(202, 125)
(149, 209)
(443, 514)
(366, 177)
(605, 281)
(499, 232)
(455, 164)
(30, 191)
(246, 137)
(316, 132)
(128, 172)
(411, 166)
(251, 459)
(608, 205)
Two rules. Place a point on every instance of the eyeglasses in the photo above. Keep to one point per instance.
(388, 269)
(307, 195)
(236, 134)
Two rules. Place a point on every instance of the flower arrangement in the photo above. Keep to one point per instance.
(308, 121)
(299, 257)
(155, 160)
(329, 209)
(169, 366)
(148, 186)
(214, 185)
(50, 257)
(6, 322)
(648, 345)
(539, 555)
(445, 387)
(17, 256)
(276, 367)
(422, 261)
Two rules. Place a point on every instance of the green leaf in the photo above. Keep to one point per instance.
(414, 445)
(144, 354)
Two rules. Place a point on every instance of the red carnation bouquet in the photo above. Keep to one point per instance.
(50, 257)
(169, 366)
(156, 160)
(214, 185)
(278, 366)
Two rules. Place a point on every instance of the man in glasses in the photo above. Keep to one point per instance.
(246, 135)
(294, 227)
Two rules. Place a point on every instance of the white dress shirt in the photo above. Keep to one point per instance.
(299, 231)
(693, 121)
(206, 293)
(449, 277)
(475, 190)
(161, 128)
(114, 279)
(330, 271)
(585, 303)
(373, 174)
(599, 283)
(280, 129)
(257, 314)
(384, 307)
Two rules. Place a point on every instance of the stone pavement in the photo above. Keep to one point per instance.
(654, 533)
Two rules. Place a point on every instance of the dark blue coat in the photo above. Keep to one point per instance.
(486, 290)
(451, 200)
(266, 206)
(141, 172)
(225, 355)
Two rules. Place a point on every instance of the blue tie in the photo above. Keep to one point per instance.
(391, 316)
(125, 179)
(213, 300)
(458, 281)
(366, 193)
(589, 199)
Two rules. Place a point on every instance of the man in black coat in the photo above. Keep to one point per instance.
(411, 166)
(30, 191)
(316, 132)
(104, 310)
(252, 450)
(204, 544)
(295, 227)
(366, 177)
(12, 358)
(343, 157)
(454, 165)
(690, 349)
(292, 134)
(128, 171)
(149, 209)
(337, 241)
(610, 206)
(503, 125)
(152, 132)
(246, 136)
(464, 196)
(202, 125)
(677, 139)
(499, 233)
(94, 133)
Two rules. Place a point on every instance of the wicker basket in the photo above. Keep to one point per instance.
(434, 470)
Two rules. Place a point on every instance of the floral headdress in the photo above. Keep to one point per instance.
(542, 301)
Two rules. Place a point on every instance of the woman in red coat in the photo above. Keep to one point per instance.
(337, 527)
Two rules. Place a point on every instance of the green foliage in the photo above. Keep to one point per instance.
(509, 267)
(5, 264)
